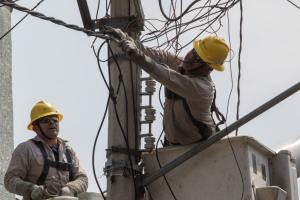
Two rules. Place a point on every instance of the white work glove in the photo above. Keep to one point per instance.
(39, 192)
(130, 48)
(65, 191)
(117, 33)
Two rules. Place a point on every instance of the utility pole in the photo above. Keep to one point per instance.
(119, 165)
(6, 104)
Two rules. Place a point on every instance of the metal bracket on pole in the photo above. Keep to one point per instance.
(128, 24)
(85, 14)
(122, 168)
(146, 180)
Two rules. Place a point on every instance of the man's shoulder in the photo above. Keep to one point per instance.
(24, 146)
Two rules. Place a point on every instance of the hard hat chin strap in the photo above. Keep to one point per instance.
(42, 132)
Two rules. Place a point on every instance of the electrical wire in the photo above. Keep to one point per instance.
(12, 1)
(159, 164)
(239, 67)
(94, 148)
(119, 121)
(180, 16)
(57, 21)
(113, 97)
(227, 110)
(176, 24)
(294, 4)
(7, 32)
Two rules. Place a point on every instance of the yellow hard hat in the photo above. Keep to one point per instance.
(213, 50)
(42, 109)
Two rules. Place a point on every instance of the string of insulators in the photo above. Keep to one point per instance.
(149, 113)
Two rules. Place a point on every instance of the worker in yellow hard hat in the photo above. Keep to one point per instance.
(189, 89)
(45, 166)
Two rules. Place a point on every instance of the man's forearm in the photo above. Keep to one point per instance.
(79, 185)
(18, 186)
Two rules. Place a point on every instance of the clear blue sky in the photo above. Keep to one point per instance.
(57, 64)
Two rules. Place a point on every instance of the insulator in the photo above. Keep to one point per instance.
(149, 143)
(150, 86)
(150, 114)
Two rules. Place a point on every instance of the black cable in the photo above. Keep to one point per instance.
(159, 96)
(94, 148)
(293, 4)
(134, 106)
(207, 14)
(149, 193)
(108, 4)
(180, 16)
(227, 110)
(159, 164)
(103, 118)
(119, 121)
(98, 60)
(239, 66)
(12, 1)
(98, 8)
(7, 32)
(57, 21)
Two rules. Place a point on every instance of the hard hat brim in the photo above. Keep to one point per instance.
(30, 126)
(198, 48)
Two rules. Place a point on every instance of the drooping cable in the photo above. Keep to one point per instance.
(227, 110)
(94, 148)
(7, 32)
(124, 134)
(57, 21)
(180, 16)
(159, 164)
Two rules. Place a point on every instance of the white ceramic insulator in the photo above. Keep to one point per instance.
(150, 86)
(149, 143)
(150, 114)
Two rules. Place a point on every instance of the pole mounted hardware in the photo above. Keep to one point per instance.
(126, 23)
(85, 14)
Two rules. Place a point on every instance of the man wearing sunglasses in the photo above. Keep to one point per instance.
(45, 166)
(189, 89)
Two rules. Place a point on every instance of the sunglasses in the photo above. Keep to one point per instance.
(47, 120)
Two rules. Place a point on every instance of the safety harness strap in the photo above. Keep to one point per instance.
(217, 112)
(69, 159)
(56, 164)
(204, 130)
(45, 171)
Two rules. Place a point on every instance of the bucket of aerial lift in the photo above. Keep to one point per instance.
(81, 196)
(294, 148)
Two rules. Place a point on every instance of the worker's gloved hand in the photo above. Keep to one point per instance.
(39, 192)
(117, 33)
(130, 48)
(65, 191)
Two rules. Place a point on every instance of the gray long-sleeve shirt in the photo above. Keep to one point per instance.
(198, 92)
(27, 163)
